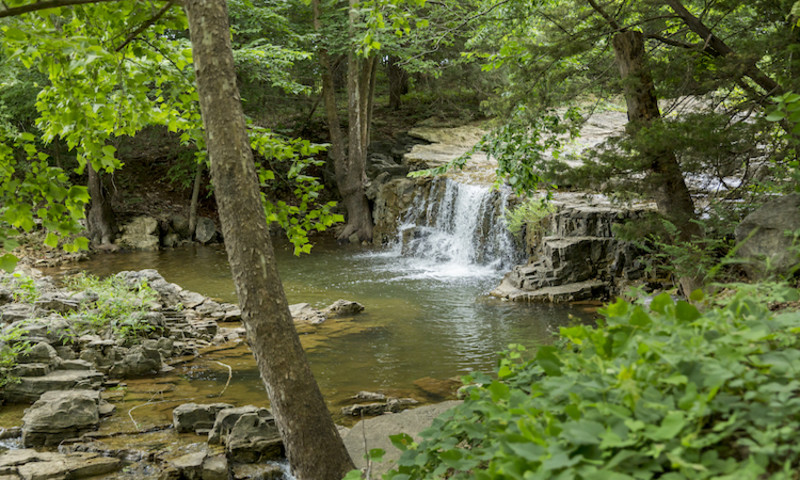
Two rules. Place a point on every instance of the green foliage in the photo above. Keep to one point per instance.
(528, 214)
(12, 345)
(118, 310)
(309, 213)
(658, 391)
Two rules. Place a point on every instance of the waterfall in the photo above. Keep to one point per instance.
(458, 229)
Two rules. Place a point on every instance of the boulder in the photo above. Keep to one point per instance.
(253, 438)
(766, 236)
(191, 299)
(205, 231)
(304, 312)
(169, 293)
(191, 417)
(60, 414)
(40, 353)
(227, 418)
(342, 308)
(56, 302)
(179, 224)
(374, 432)
(137, 362)
(141, 233)
(171, 240)
(29, 389)
(190, 466)
(14, 312)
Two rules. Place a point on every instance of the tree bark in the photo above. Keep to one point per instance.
(670, 191)
(337, 148)
(198, 178)
(314, 448)
(398, 83)
(100, 219)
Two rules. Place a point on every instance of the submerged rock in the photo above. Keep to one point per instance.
(343, 308)
(60, 414)
(304, 312)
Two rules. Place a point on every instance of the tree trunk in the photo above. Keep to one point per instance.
(100, 219)
(313, 446)
(198, 178)
(337, 149)
(670, 191)
(398, 82)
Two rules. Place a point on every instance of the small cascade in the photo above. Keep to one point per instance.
(458, 225)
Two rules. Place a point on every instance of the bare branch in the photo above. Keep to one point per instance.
(44, 5)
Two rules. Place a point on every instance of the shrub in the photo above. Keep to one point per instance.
(661, 391)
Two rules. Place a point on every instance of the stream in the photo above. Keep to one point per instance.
(422, 319)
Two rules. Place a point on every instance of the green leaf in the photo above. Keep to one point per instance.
(672, 424)
(660, 303)
(376, 454)
(402, 441)
(686, 312)
(8, 262)
(51, 240)
(547, 358)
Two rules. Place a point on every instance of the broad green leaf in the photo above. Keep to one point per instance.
(8, 262)
(547, 358)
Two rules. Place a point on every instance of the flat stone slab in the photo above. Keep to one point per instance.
(571, 292)
(376, 431)
(29, 464)
(29, 389)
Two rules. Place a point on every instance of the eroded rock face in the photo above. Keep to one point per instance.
(139, 361)
(253, 438)
(191, 417)
(574, 255)
(766, 237)
(60, 414)
(141, 233)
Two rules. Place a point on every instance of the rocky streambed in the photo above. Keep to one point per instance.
(104, 379)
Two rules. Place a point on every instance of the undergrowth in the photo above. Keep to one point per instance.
(666, 390)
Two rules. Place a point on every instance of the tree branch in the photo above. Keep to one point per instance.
(44, 5)
(605, 15)
(721, 49)
(147, 24)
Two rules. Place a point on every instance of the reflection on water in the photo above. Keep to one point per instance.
(419, 322)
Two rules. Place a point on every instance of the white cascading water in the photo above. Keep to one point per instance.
(457, 230)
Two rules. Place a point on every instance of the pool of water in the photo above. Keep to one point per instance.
(422, 319)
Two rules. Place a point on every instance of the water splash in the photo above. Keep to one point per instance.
(456, 231)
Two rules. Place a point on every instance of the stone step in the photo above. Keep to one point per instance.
(571, 292)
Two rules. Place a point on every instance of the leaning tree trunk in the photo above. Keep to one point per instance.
(670, 191)
(100, 218)
(313, 446)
